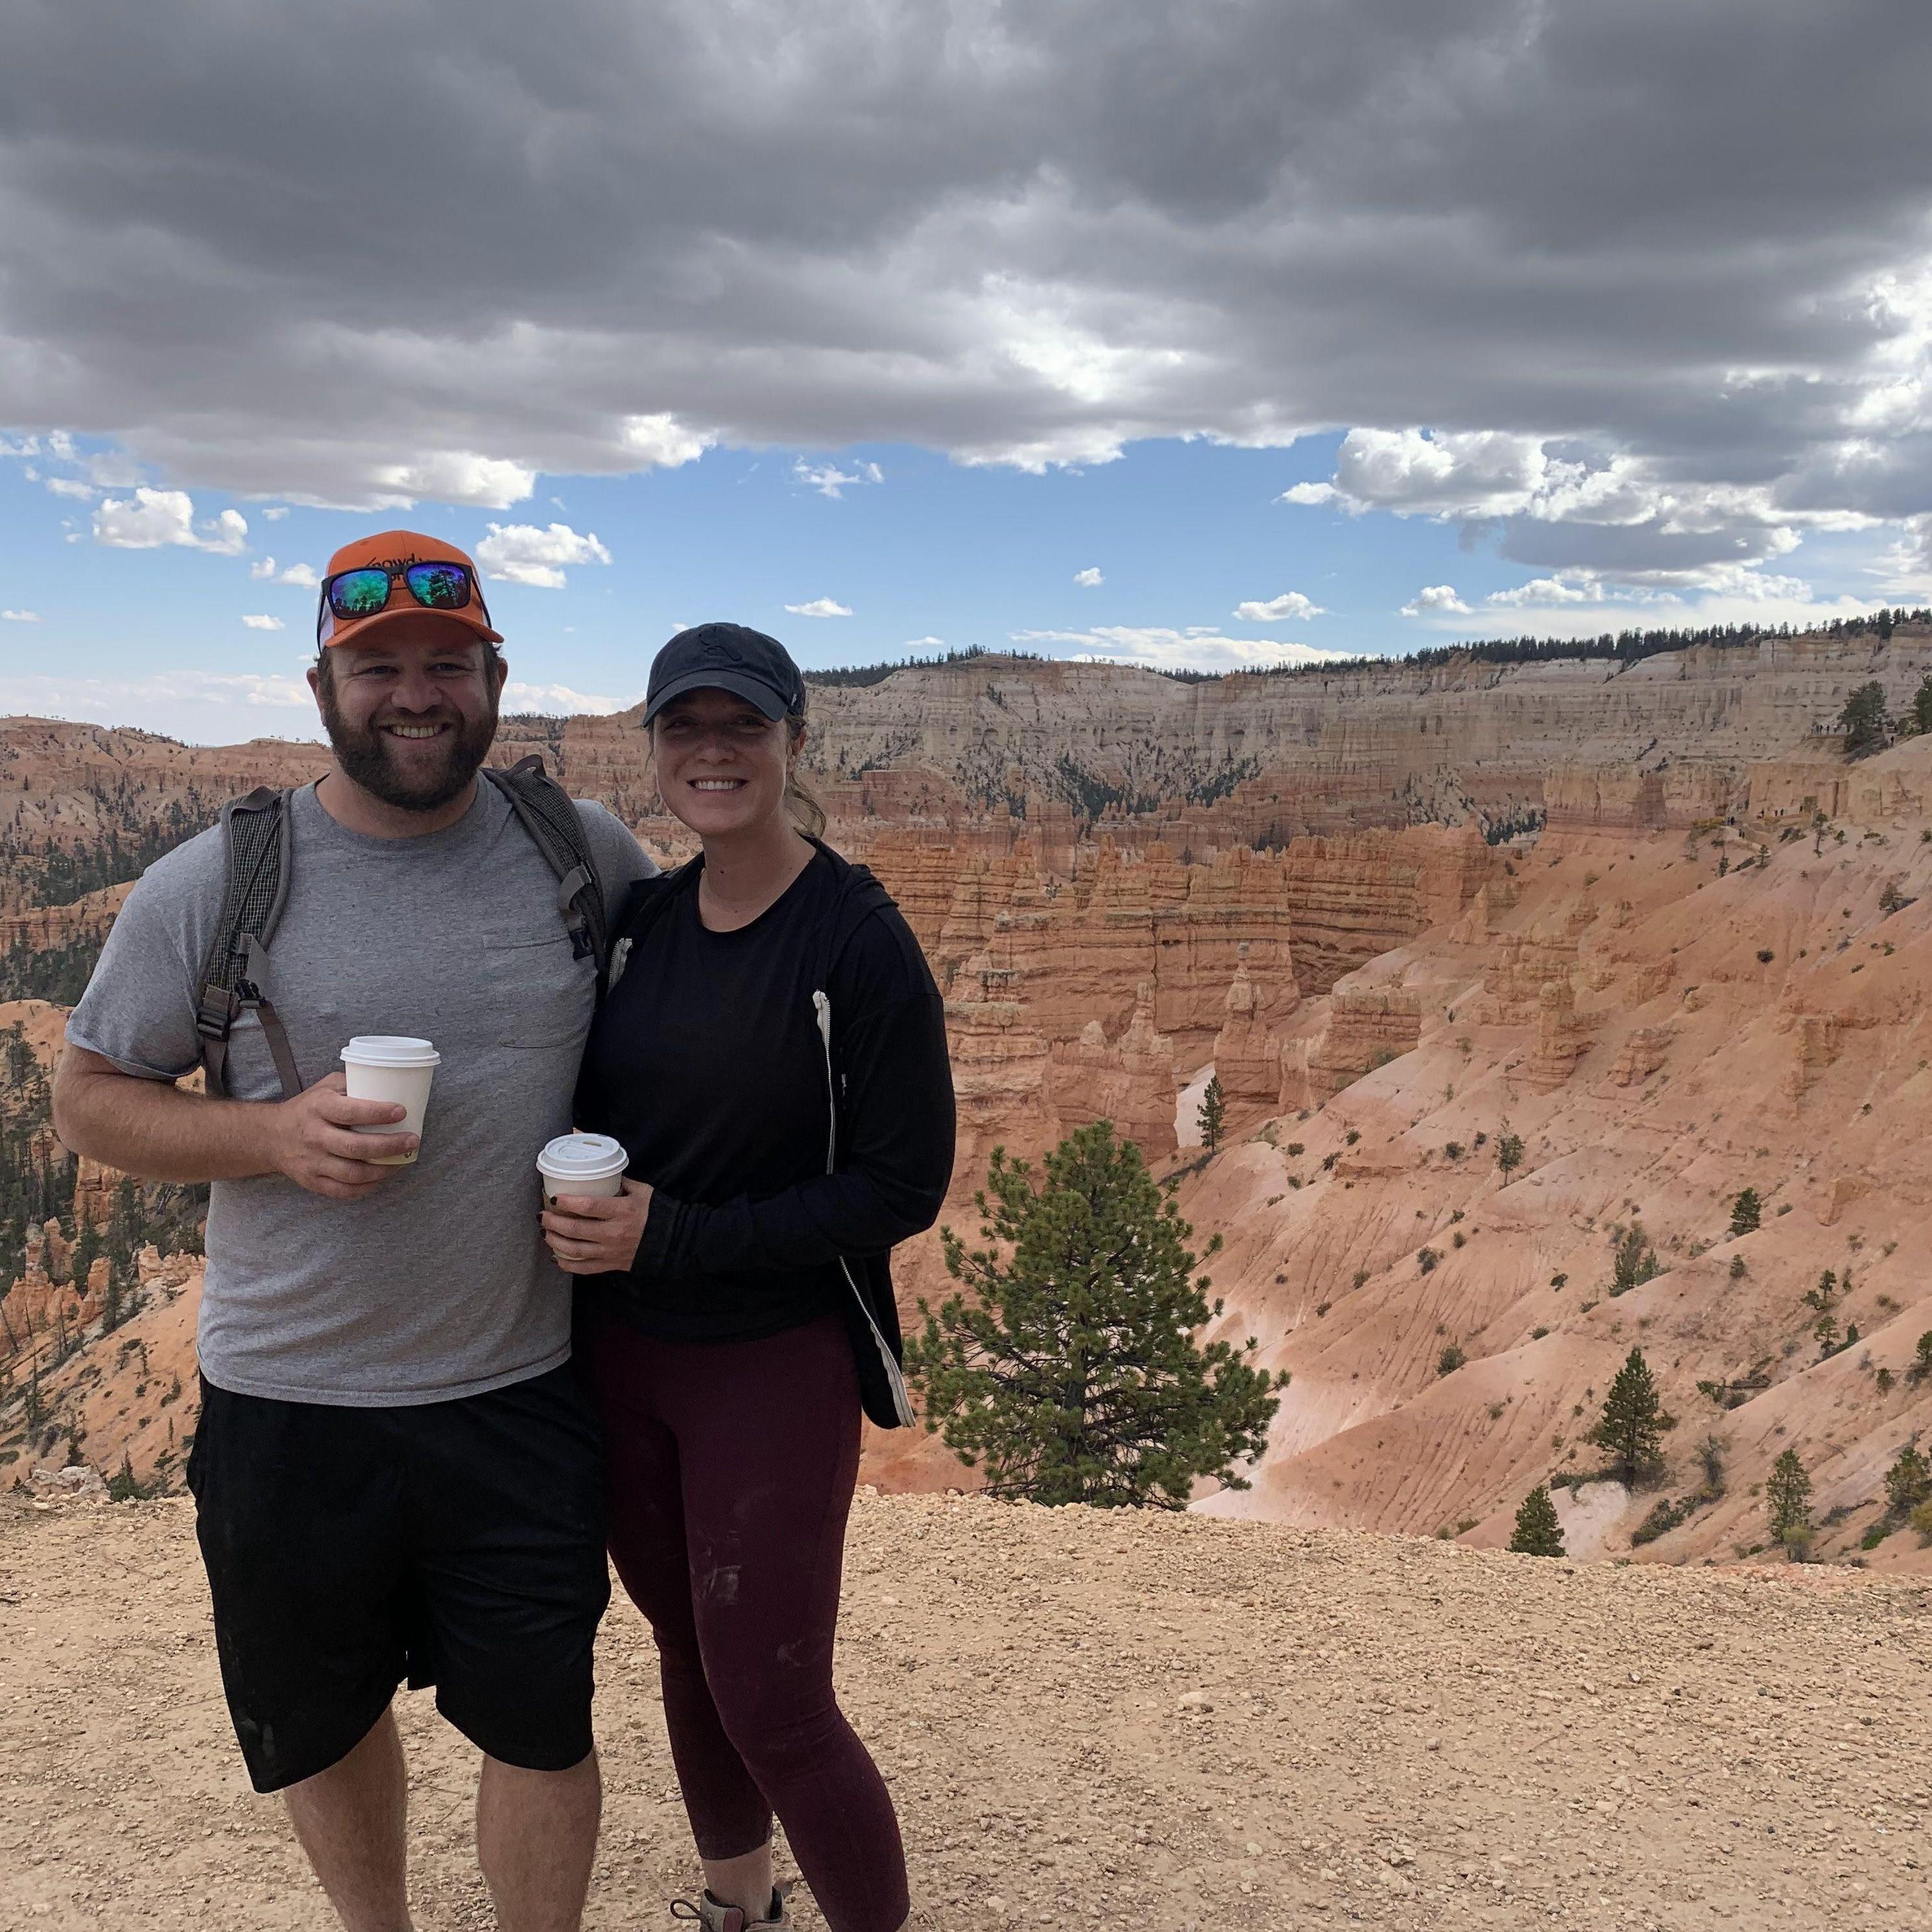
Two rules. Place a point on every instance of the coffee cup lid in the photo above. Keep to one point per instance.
(390, 1049)
(582, 1157)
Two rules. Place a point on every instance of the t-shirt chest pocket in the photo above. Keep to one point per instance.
(537, 993)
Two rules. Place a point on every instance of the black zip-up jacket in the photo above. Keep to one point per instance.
(889, 1121)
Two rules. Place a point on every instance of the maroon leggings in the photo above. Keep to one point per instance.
(731, 1467)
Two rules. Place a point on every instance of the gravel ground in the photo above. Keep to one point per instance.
(1115, 1719)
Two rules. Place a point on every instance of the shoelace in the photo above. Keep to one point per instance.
(691, 1911)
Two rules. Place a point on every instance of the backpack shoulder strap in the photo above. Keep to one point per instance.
(255, 840)
(546, 811)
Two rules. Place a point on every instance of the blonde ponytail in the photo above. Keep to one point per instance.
(807, 813)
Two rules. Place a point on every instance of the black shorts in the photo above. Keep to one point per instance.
(457, 1543)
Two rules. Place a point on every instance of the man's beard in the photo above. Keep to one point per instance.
(365, 755)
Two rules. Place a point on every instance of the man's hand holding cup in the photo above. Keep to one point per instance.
(332, 1145)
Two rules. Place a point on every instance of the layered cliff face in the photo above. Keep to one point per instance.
(1767, 1025)
(1323, 749)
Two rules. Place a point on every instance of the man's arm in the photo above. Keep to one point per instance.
(154, 1129)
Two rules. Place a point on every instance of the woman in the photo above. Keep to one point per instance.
(772, 1057)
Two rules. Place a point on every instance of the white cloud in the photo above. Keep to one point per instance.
(923, 644)
(274, 513)
(265, 623)
(1628, 519)
(153, 518)
(1439, 597)
(1541, 592)
(27, 445)
(72, 486)
(20, 616)
(829, 480)
(121, 700)
(455, 476)
(1089, 579)
(820, 606)
(662, 442)
(1278, 610)
(522, 553)
(557, 699)
(301, 575)
(1572, 604)
(1200, 648)
(986, 254)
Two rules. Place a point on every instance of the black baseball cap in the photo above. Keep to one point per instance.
(726, 657)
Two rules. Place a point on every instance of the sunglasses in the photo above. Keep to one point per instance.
(361, 592)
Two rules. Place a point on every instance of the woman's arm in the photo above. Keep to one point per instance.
(894, 1159)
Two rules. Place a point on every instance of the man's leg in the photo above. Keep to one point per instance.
(536, 1836)
(507, 1492)
(351, 1820)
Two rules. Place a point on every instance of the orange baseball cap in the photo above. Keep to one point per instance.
(394, 552)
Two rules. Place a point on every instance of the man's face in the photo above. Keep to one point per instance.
(412, 713)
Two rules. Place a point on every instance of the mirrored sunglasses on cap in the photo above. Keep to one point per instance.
(351, 595)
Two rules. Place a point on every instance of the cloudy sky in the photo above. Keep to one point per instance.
(1186, 332)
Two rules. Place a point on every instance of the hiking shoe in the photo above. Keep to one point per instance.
(711, 1915)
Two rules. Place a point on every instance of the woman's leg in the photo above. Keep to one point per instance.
(622, 1371)
(768, 1441)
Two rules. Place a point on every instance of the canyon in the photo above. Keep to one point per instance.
(1646, 922)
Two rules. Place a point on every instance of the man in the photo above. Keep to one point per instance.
(394, 1478)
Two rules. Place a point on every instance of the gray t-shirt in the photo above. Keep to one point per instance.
(437, 1284)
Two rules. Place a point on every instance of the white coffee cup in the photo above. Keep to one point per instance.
(391, 1067)
(587, 1164)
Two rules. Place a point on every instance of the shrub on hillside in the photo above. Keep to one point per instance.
(1747, 1212)
(1664, 1518)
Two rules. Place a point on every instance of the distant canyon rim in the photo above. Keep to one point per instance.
(1649, 917)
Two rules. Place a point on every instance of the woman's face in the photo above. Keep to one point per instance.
(721, 764)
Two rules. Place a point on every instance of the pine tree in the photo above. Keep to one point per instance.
(1071, 1373)
(1746, 1212)
(1509, 1152)
(1213, 1116)
(1633, 1262)
(1632, 1425)
(1863, 720)
(1921, 714)
(1538, 1532)
(1787, 1503)
(1908, 1483)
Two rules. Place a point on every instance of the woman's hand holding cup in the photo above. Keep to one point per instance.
(593, 1235)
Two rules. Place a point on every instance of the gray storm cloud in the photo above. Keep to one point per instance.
(1660, 266)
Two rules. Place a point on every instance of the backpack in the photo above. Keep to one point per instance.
(256, 835)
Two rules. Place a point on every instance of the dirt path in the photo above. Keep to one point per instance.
(1120, 1720)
